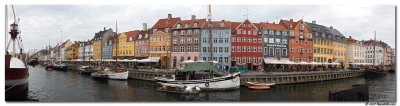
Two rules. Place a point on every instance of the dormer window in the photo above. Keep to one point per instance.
(302, 27)
(195, 24)
(140, 36)
(146, 35)
(178, 26)
(187, 25)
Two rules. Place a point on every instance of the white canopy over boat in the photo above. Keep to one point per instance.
(148, 60)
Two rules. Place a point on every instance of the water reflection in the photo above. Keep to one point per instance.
(55, 86)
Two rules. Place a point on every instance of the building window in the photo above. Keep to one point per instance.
(259, 40)
(238, 39)
(271, 51)
(226, 40)
(182, 40)
(233, 48)
(248, 39)
(265, 51)
(189, 49)
(233, 39)
(271, 40)
(284, 52)
(220, 49)
(189, 40)
(254, 49)
(248, 48)
(226, 50)
(215, 40)
(175, 49)
(239, 49)
(265, 40)
(243, 39)
(215, 49)
(196, 49)
(238, 31)
(182, 32)
(196, 40)
(182, 49)
(284, 41)
(175, 41)
(189, 32)
(243, 48)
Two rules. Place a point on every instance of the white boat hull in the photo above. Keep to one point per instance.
(118, 76)
(218, 83)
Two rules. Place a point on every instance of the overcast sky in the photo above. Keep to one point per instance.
(78, 22)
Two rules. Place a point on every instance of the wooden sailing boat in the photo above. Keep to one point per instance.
(116, 71)
(59, 66)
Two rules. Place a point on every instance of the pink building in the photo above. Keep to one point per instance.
(186, 41)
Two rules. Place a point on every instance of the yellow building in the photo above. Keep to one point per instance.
(160, 48)
(126, 45)
(339, 51)
(96, 48)
(323, 50)
(73, 51)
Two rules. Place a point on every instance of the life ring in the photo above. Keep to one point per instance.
(207, 84)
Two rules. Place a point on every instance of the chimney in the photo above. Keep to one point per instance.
(193, 17)
(314, 22)
(273, 23)
(223, 21)
(349, 36)
(104, 28)
(291, 20)
(144, 26)
(169, 16)
(331, 27)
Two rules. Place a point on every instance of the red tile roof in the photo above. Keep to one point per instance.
(200, 22)
(166, 23)
(133, 34)
(216, 24)
(287, 23)
(234, 25)
(273, 26)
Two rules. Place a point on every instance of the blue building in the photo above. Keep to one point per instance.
(107, 48)
(221, 42)
(275, 42)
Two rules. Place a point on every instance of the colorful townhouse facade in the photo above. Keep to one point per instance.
(108, 48)
(186, 41)
(300, 41)
(221, 32)
(275, 42)
(126, 45)
(163, 25)
(374, 52)
(98, 42)
(322, 43)
(355, 53)
(339, 45)
(159, 48)
(248, 44)
(142, 43)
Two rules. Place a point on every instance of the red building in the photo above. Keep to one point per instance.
(300, 41)
(246, 45)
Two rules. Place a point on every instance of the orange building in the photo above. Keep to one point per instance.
(160, 48)
(300, 41)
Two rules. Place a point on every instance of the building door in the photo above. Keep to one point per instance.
(174, 63)
(278, 53)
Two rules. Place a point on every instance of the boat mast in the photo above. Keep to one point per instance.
(59, 48)
(210, 33)
(374, 48)
(116, 45)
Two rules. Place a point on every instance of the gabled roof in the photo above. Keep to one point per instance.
(256, 25)
(273, 26)
(166, 23)
(351, 40)
(200, 22)
(234, 25)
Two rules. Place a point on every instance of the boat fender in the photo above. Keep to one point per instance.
(207, 84)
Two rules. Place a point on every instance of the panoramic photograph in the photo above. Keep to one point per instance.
(200, 53)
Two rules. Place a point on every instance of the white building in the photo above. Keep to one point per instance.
(355, 52)
(374, 53)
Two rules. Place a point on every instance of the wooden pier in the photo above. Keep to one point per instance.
(146, 74)
(296, 77)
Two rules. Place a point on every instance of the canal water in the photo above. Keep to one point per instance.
(56, 86)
